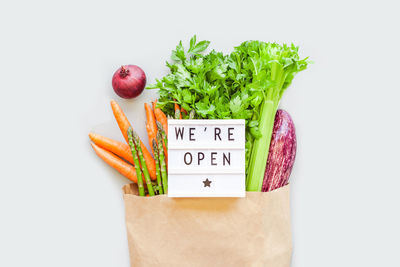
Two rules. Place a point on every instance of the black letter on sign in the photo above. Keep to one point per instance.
(191, 158)
(191, 134)
(228, 159)
(179, 131)
(217, 131)
(230, 134)
(213, 158)
(200, 157)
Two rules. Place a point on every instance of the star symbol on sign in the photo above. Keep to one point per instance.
(207, 183)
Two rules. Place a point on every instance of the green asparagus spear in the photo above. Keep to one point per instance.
(161, 130)
(143, 164)
(163, 165)
(191, 114)
(177, 114)
(158, 173)
(136, 161)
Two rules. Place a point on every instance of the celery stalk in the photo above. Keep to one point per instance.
(259, 153)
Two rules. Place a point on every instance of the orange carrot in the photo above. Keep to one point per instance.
(118, 148)
(122, 120)
(124, 125)
(121, 166)
(162, 118)
(165, 154)
(184, 111)
(151, 126)
(177, 108)
(151, 120)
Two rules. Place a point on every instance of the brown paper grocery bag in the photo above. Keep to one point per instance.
(250, 231)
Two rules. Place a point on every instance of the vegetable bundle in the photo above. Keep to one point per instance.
(133, 160)
(248, 84)
(245, 84)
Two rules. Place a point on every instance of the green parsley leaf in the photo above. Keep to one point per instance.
(200, 47)
(178, 53)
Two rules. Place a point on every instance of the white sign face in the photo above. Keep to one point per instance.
(206, 158)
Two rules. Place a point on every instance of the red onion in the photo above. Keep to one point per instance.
(129, 81)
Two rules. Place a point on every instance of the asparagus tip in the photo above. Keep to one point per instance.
(191, 114)
(159, 126)
(158, 135)
(155, 146)
(135, 135)
(177, 114)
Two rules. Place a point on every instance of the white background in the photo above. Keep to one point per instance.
(62, 206)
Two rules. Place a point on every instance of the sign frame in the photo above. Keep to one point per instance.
(206, 158)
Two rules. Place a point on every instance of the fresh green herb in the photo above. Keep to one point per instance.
(245, 84)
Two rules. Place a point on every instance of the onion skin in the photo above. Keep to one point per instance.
(129, 81)
(282, 152)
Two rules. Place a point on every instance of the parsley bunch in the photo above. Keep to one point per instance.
(246, 84)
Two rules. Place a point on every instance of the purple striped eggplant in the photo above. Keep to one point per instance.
(282, 152)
